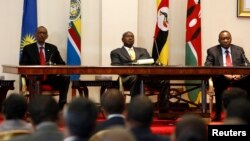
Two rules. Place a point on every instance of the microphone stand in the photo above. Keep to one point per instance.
(158, 54)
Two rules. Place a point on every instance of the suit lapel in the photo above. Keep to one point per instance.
(136, 53)
(220, 55)
(36, 53)
(125, 54)
(233, 54)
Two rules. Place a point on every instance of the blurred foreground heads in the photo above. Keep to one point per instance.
(80, 119)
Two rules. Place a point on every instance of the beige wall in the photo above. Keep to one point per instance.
(104, 21)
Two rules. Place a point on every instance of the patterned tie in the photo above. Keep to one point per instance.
(131, 53)
(42, 57)
(228, 59)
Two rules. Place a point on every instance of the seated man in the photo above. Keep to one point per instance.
(227, 55)
(40, 53)
(126, 55)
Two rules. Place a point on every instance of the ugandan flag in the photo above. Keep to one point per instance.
(74, 36)
(193, 43)
(160, 46)
(29, 23)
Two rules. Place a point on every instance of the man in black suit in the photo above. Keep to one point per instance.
(216, 56)
(113, 104)
(30, 56)
(139, 117)
(80, 119)
(123, 56)
(44, 114)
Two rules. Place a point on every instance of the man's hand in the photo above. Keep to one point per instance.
(233, 77)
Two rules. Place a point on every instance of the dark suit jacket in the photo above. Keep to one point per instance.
(120, 56)
(215, 56)
(30, 55)
(48, 132)
(114, 121)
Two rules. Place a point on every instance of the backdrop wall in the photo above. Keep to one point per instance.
(103, 23)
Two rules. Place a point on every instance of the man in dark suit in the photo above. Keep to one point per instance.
(44, 114)
(139, 117)
(80, 119)
(126, 55)
(217, 56)
(113, 104)
(31, 56)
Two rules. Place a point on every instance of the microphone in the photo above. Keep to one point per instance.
(50, 60)
(158, 54)
(246, 62)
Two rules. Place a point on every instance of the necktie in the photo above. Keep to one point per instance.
(42, 57)
(228, 59)
(131, 54)
(42, 60)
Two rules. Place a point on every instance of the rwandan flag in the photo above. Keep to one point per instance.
(29, 23)
(160, 47)
(74, 36)
(193, 43)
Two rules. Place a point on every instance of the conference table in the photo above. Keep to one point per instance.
(170, 72)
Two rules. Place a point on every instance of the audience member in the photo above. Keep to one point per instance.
(80, 119)
(44, 112)
(113, 104)
(15, 110)
(238, 110)
(113, 134)
(190, 128)
(139, 118)
(30, 56)
(231, 94)
(226, 54)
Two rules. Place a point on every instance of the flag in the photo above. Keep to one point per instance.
(160, 45)
(74, 36)
(29, 23)
(193, 42)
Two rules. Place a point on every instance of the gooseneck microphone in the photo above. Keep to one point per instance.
(246, 62)
(50, 60)
(158, 54)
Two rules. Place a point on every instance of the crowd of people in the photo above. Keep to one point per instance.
(132, 122)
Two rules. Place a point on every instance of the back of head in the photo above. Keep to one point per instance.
(233, 93)
(80, 117)
(43, 108)
(113, 101)
(140, 111)
(15, 106)
(191, 128)
(239, 108)
(113, 134)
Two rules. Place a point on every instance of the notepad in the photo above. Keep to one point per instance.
(144, 61)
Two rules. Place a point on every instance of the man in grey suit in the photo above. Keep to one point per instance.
(216, 56)
(122, 56)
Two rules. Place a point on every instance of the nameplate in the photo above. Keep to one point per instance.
(105, 83)
(7, 83)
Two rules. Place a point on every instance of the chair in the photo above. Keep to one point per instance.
(148, 91)
(210, 93)
(7, 135)
(44, 88)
